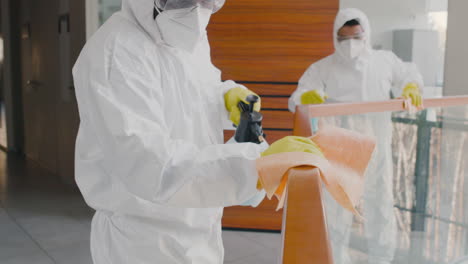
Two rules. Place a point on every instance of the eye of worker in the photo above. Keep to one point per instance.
(351, 30)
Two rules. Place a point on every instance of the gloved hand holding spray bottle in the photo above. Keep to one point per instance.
(244, 107)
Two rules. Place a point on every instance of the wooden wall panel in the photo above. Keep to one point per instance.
(271, 40)
(39, 67)
(264, 217)
(267, 45)
(284, 90)
(277, 119)
(274, 103)
(271, 135)
(50, 114)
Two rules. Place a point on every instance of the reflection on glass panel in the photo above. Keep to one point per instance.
(415, 204)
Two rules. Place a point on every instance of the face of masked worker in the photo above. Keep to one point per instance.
(351, 41)
(184, 28)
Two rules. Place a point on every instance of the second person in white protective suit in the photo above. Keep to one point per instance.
(355, 73)
(149, 154)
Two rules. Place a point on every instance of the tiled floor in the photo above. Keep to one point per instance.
(44, 222)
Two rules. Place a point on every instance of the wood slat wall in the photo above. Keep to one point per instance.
(267, 45)
(272, 89)
(271, 40)
(272, 135)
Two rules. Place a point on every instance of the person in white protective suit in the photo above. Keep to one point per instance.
(149, 154)
(354, 73)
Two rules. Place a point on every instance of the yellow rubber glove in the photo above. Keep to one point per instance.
(232, 99)
(313, 97)
(293, 144)
(411, 90)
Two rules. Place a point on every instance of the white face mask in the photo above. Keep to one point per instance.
(352, 48)
(184, 28)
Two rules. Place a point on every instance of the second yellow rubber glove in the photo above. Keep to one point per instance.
(232, 99)
(313, 97)
(412, 91)
(293, 144)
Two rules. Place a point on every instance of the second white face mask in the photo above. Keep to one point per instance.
(184, 28)
(352, 48)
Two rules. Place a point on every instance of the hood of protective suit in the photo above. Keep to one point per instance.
(142, 11)
(345, 15)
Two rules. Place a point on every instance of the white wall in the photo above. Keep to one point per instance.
(386, 16)
(456, 63)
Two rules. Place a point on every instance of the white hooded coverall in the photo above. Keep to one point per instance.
(372, 76)
(149, 152)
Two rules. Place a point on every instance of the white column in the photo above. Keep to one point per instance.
(456, 59)
(92, 17)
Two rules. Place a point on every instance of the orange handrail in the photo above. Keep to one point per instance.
(305, 235)
(304, 231)
(336, 109)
